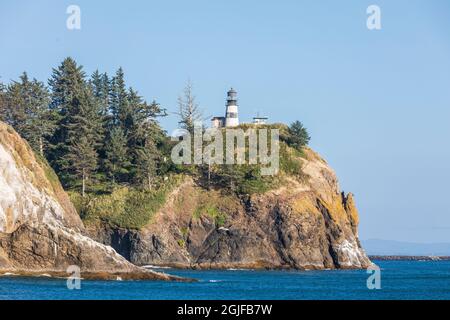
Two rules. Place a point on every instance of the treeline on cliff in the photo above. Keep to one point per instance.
(97, 133)
(92, 130)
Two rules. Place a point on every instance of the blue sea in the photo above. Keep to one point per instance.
(399, 280)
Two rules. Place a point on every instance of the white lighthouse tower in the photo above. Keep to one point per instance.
(231, 117)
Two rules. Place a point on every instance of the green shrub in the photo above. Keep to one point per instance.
(297, 135)
(184, 231)
(181, 243)
(212, 211)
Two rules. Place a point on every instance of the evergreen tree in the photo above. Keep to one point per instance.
(85, 119)
(42, 119)
(144, 135)
(100, 89)
(105, 89)
(117, 162)
(119, 99)
(84, 135)
(67, 84)
(82, 160)
(26, 108)
(80, 125)
(140, 119)
(146, 164)
(14, 111)
(298, 136)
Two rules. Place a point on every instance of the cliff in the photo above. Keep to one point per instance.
(304, 223)
(39, 228)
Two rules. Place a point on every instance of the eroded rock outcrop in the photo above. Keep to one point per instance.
(39, 228)
(305, 224)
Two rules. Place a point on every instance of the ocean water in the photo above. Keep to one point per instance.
(399, 280)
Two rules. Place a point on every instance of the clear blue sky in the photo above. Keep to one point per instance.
(377, 103)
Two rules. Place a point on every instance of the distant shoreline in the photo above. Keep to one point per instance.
(409, 258)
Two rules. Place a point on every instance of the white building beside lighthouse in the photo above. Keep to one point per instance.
(231, 118)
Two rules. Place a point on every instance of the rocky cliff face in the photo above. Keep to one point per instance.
(39, 227)
(306, 224)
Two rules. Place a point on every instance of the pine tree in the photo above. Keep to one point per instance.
(67, 84)
(117, 161)
(298, 135)
(83, 161)
(144, 135)
(119, 99)
(14, 113)
(139, 118)
(80, 126)
(26, 108)
(100, 89)
(42, 119)
(84, 135)
(146, 164)
(85, 119)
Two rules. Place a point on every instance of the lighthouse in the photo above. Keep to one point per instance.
(231, 116)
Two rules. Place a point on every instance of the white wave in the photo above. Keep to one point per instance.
(155, 267)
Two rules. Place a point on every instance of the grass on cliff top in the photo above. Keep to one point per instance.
(124, 207)
(246, 179)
